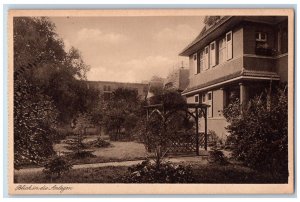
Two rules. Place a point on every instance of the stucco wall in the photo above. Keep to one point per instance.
(220, 70)
(218, 103)
(282, 68)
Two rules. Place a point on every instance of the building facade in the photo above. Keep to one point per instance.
(235, 57)
(178, 80)
(107, 87)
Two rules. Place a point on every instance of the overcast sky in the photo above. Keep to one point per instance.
(129, 49)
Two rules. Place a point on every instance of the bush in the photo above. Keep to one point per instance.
(56, 166)
(99, 143)
(259, 132)
(147, 172)
(217, 157)
(82, 154)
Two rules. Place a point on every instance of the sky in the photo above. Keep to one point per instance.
(129, 49)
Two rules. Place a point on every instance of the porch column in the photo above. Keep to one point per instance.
(243, 93)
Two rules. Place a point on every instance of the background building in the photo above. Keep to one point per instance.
(107, 87)
(178, 79)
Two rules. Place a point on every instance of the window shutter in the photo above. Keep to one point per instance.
(229, 45)
(194, 62)
(206, 58)
(212, 54)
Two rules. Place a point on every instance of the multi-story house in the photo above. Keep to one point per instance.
(235, 57)
(107, 87)
(178, 79)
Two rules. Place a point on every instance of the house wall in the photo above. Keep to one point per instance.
(257, 63)
(249, 39)
(218, 102)
(282, 67)
(232, 66)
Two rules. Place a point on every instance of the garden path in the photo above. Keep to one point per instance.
(189, 159)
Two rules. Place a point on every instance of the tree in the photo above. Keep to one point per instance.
(48, 88)
(34, 124)
(121, 112)
(259, 131)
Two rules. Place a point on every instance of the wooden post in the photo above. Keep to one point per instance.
(205, 132)
(197, 133)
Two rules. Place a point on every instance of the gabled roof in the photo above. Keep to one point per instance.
(204, 32)
(222, 25)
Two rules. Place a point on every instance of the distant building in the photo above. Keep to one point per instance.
(107, 87)
(235, 57)
(177, 80)
(155, 85)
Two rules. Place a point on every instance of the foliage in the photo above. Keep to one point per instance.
(121, 113)
(34, 124)
(48, 88)
(56, 166)
(156, 131)
(214, 140)
(259, 131)
(99, 143)
(217, 157)
(76, 144)
(147, 172)
(40, 57)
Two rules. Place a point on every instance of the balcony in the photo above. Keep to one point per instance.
(254, 66)
(219, 73)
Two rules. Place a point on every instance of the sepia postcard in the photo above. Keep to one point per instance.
(151, 101)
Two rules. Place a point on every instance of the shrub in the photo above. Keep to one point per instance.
(217, 157)
(259, 131)
(99, 143)
(147, 172)
(82, 154)
(56, 166)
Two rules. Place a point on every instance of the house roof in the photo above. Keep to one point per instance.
(204, 32)
(222, 25)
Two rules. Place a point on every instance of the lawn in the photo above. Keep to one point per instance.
(117, 151)
(202, 173)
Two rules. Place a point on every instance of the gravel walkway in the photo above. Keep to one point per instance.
(190, 159)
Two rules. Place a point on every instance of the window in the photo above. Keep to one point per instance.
(222, 51)
(196, 98)
(194, 63)
(207, 99)
(261, 36)
(208, 96)
(203, 98)
(229, 45)
(212, 54)
(206, 58)
(201, 61)
(104, 88)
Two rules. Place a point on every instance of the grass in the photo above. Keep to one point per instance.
(202, 173)
(118, 151)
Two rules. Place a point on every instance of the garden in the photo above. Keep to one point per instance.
(53, 107)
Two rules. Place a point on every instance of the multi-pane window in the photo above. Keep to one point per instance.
(229, 45)
(194, 63)
(206, 58)
(207, 99)
(212, 54)
(201, 64)
(222, 51)
(196, 98)
(261, 36)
